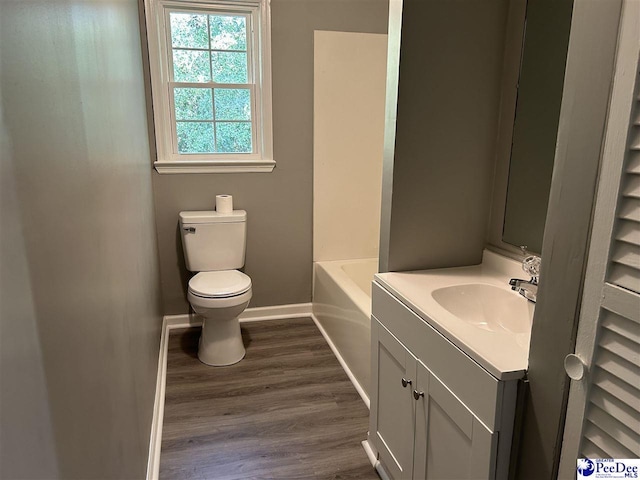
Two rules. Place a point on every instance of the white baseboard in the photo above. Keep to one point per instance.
(256, 314)
(153, 464)
(276, 312)
(373, 459)
(183, 320)
(170, 322)
(369, 451)
(381, 471)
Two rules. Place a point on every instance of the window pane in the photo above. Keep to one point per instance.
(189, 30)
(195, 137)
(229, 67)
(191, 66)
(228, 33)
(233, 104)
(193, 103)
(233, 137)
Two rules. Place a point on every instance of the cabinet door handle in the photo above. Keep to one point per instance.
(405, 382)
(417, 394)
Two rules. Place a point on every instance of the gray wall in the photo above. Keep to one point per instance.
(279, 204)
(451, 63)
(25, 419)
(80, 309)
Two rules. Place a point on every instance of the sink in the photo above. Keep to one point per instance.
(474, 308)
(486, 306)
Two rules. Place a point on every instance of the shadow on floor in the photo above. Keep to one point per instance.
(189, 340)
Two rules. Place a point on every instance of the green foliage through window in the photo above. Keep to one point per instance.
(195, 137)
(211, 50)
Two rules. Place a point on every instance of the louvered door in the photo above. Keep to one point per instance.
(626, 245)
(603, 416)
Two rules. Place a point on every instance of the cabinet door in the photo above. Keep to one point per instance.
(450, 442)
(393, 408)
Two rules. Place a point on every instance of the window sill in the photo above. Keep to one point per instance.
(222, 166)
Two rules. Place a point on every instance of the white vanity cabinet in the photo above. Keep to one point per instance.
(435, 412)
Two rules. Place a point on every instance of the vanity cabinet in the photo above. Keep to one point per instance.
(435, 412)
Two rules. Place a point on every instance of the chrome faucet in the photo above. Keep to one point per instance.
(528, 288)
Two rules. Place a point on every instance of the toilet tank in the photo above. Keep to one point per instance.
(213, 241)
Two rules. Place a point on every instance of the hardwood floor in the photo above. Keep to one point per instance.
(287, 411)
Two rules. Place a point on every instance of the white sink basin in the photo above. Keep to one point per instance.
(486, 306)
(474, 308)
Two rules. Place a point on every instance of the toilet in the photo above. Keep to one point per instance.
(214, 246)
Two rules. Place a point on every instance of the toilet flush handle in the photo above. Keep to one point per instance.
(189, 229)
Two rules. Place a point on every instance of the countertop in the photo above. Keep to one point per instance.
(502, 353)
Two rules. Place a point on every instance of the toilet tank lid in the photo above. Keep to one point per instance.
(211, 216)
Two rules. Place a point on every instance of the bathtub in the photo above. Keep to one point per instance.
(342, 309)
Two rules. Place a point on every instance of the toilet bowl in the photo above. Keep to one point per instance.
(220, 297)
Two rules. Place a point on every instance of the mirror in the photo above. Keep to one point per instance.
(542, 67)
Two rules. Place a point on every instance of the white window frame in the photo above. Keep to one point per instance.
(160, 63)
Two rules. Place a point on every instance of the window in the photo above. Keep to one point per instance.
(211, 85)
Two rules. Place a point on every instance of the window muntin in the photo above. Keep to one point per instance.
(214, 100)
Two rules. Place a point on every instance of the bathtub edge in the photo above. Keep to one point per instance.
(343, 364)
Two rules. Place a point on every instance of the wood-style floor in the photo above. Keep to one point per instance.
(287, 411)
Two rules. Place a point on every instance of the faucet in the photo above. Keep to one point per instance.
(528, 288)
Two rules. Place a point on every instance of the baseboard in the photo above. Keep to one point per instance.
(170, 322)
(256, 314)
(381, 471)
(369, 451)
(343, 364)
(183, 320)
(295, 310)
(153, 464)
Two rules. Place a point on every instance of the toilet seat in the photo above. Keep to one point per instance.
(219, 284)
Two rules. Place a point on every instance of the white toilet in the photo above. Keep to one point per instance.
(214, 245)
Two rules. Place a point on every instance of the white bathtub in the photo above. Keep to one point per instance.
(342, 307)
